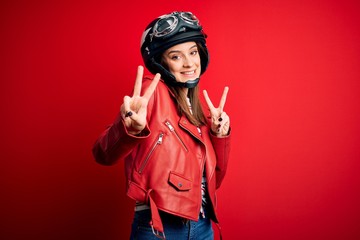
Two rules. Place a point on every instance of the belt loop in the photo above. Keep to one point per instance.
(155, 223)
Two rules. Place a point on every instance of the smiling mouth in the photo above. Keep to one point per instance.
(188, 72)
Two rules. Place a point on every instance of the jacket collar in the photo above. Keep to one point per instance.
(185, 124)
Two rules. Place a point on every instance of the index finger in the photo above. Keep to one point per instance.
(223, 98)
(208, 101)
(150, 90)
(138, 81)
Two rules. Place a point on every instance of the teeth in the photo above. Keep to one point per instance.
(187, 73)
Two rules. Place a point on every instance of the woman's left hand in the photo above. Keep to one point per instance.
(220, 121)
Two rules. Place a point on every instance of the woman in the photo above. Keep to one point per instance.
(175, 157)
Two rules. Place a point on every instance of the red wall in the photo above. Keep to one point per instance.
(294, 78)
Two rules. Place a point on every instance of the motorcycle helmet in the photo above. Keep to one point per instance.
(169, 30)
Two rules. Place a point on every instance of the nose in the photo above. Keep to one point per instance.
(188, 62)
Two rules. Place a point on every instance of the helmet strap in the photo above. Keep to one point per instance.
(188, 84)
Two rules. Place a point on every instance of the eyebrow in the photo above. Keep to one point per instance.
(175, 51)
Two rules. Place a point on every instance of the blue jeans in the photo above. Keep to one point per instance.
(175, 227)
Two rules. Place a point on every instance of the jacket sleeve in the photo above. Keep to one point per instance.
(222, 151)
(116, 143)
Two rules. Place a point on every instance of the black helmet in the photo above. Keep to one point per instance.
(169, 30)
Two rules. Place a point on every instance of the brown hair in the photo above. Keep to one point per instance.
(197, 117)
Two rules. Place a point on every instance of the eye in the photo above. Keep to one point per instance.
(195, 52)
(175, 57)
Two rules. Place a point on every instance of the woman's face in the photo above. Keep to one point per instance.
(183, 61)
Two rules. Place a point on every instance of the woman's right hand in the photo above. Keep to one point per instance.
(134, 109)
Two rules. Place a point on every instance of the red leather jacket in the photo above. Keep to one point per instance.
(165, 164)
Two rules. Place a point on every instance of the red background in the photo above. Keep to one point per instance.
(293, 72)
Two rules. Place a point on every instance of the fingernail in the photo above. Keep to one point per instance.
(220, 119)
(128, 114)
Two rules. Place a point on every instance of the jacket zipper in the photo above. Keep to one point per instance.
(203, 166)
(157, 143)
(172, 129)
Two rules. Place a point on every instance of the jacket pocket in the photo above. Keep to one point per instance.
(179, 182)
(177, 136)
(152, 149)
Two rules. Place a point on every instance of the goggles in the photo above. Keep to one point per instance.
(169, 24)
